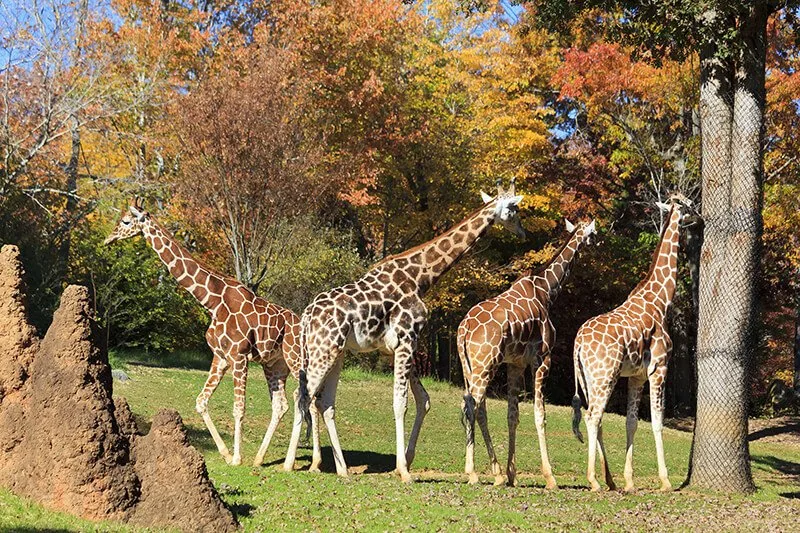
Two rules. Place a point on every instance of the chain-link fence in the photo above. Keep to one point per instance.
(731, 139)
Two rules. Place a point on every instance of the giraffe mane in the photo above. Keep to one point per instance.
(655, 253)
(533, 271)
(418, 247)
(200, 264)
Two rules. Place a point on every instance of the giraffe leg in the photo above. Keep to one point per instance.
(316, 456)
(631, 423)
(423, 403)
(514, 382)
(483, 422)
(598, 398)
(239, 388)
(218, 368)
(294, 441)
(657, 382)
(604, 459)
(403, 361)
(591, 435)
(541, 420)
(329, 414)
(276, 378)
(468, 408)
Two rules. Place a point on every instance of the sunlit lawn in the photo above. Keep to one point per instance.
(373, 498)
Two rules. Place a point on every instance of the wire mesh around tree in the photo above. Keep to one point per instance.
(727, 315)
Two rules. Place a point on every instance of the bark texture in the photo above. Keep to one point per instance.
(732, 122)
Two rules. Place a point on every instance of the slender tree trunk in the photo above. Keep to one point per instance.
(732, 117)
(71, 168)
(796, 380)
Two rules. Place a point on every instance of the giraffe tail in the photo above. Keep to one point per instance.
(467, 413)
(468, 404)
(302, 399)
(576, 399)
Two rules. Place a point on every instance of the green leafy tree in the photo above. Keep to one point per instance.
(137, 302)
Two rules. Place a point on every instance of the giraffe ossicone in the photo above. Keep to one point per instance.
(244, 327)
(631, 341)
(384, 311)
(514, 328)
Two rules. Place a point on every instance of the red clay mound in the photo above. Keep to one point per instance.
(18, 340)
(69, 453)
(164, 482)
(67, 444)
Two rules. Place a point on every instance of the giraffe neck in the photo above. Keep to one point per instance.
(189, 274)
(552, 275)
(662, 279)
(429, 261)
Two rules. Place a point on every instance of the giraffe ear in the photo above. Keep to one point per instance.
(485, 197)
(591, 228)
(515, 200)
(137, 213)
(570, 226)
(663, 206)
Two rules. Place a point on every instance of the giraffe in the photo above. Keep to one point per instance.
(631, 341)
(514, 328)
(243, 327)
(384, 311)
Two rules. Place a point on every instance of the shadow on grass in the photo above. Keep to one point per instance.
(787, 468)
(241, 510)
(793, 427)
(790, 495)
(201, 439)
(361, 461)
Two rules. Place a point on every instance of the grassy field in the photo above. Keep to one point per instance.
(267, 498)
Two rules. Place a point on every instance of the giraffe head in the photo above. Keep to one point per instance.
(681, 204)
(588, 230)
(130, 223)
(506, 211)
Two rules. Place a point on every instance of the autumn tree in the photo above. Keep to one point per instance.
(781, 205)
(248, 161)
(53, 89)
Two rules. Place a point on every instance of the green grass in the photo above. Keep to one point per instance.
(267, 498)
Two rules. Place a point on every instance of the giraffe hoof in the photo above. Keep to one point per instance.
(629, 488)
(510, 483)
(666, 486)
(596, 487)
(314, 468)
(551, 484)
(236, 461)
(499, 481)
(473, 478)
(288, 468)
(405, 477)
(612, 487)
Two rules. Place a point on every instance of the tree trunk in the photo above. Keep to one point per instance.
(732, 121)
(796, 380)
